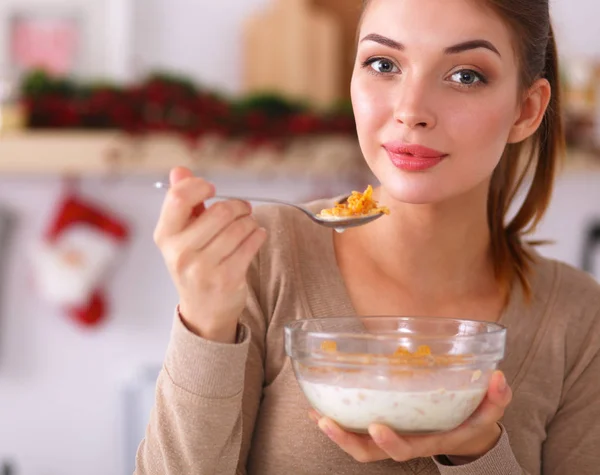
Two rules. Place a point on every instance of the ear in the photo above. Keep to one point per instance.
(532, 111)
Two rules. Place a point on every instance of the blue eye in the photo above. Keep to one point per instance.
(383, 66)
(467, 77)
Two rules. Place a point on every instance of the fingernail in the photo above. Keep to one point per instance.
(502, 383)
(376, 435)
(326, 428)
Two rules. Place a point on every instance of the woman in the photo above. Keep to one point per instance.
(447, 95)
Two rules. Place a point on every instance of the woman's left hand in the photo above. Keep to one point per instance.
(471, 440)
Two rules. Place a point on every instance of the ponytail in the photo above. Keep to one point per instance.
(538, 155)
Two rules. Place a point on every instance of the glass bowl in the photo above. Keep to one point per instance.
(416, 375)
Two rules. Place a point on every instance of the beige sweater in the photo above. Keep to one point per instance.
(237, 409)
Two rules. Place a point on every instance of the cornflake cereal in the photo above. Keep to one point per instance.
(357, 204)
(422, 357)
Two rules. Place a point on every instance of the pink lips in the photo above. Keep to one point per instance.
(411, 157)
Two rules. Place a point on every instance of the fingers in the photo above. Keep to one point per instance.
(314, 415)
(231, 240)
(225, 231)
(243, 255)
(217, 218)
(402, 449)
(492, 408)
(499, 391)
(179, 173)
(178, 207)
(361, 447)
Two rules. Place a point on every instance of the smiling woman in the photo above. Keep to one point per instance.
(455, 100)
(474, 103)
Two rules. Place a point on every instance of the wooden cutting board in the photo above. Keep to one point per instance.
(347, 13)
(296, 48)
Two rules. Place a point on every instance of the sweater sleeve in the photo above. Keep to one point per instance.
(498, 461)
(207, 399)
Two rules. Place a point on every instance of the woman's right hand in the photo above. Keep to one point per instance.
(207, 252)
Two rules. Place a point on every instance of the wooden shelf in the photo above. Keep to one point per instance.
(101, 153)
(104, 153)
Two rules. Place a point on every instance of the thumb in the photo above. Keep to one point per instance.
(499, 392)
(179, 173)
(495, 402)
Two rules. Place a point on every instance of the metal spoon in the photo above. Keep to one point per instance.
(339, 224)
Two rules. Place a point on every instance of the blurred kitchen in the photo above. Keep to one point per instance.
(98, 100)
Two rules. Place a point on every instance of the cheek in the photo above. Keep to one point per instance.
(371, 109)
(481, 127)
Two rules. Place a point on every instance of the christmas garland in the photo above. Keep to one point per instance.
(165, 103)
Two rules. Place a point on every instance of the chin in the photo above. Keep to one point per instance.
(413, 193)
(419, 188)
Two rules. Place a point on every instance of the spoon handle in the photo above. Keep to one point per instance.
(163, 186)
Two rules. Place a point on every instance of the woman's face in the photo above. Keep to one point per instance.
(435, 95)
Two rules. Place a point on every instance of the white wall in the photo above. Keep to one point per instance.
(61, 387)
(575, 205)
(578, 34)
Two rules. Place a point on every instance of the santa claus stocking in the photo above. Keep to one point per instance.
(71, 263)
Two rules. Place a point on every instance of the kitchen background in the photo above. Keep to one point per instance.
(76, 379)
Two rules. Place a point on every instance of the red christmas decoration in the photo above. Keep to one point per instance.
(174, 105)
(78, 249)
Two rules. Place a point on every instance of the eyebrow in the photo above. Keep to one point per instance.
(469, 45)
(455, 49)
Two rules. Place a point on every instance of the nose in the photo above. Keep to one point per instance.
(413, 106)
